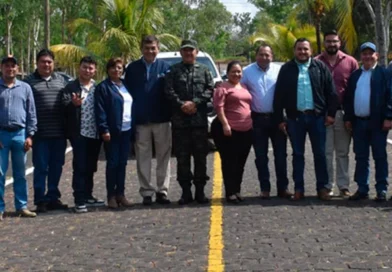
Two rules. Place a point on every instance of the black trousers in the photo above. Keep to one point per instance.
(234, 151)
(187, 143)
(93, 150)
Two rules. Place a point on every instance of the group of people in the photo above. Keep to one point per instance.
(153, 105)
(327, 97)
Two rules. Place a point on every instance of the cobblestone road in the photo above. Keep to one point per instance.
(259, 235)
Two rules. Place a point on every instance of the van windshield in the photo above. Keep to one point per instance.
(203, 60)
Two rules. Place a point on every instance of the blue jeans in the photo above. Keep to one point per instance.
(117, 151)
(365, 137)
(264, 128)
(48, 161)
(297, 130)
(13, 142)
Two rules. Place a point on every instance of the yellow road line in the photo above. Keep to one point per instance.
(215, 254)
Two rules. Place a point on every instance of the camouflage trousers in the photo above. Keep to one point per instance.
(187, 143)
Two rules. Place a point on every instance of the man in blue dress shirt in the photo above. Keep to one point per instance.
(368, 113)
(260, 79)
(18, 124)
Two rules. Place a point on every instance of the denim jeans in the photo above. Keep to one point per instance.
(365, 137)
(297, 130)
(48, 161)
(13, 142)
(117, 151)
(264, 128)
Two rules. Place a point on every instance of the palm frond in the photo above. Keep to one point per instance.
(69, 55)
(346, 24)
(169, 42)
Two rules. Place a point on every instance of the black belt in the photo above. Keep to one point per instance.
(10, 129)
(262, 114)
(307, 112)
(363, 118)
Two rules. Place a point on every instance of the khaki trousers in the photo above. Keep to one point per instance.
(338, 145)
(160, 135)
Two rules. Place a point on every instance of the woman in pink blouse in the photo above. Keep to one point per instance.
(232, 129)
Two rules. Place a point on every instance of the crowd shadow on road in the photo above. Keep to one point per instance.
(311, 201)
(248, 201)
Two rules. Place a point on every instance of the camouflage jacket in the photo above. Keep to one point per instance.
(189, 83)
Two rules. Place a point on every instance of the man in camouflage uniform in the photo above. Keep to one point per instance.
(189, 85)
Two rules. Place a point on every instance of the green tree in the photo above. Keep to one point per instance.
(282, 38)
(123, 24)
(381, 15)
(277, 10)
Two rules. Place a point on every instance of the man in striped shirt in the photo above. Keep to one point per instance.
(49, 141)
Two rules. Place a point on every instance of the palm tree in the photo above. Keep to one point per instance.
(119, 33)
(282, 38)
(318, 9)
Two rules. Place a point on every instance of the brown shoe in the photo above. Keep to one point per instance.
(265, 195)
(345, 193)
(122, 201)
(1, 216)
(298, 196)
(323, 194)
(112, 203)
(26, 213)
(285, 194)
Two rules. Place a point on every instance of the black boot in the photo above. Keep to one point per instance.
(186, 196)
(200, 196)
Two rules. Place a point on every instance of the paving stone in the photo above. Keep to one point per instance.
(275, 235)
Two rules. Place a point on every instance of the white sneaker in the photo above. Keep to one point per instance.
(80, 208)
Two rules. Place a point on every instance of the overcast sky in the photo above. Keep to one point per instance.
(239, 6)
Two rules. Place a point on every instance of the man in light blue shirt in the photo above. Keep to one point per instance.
(306, 93)
(260, 79)
(304, 88)
(368, 114)
(18, 124)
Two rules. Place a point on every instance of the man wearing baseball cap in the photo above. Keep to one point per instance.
(368, 114)
(188, 86)
(18, 123)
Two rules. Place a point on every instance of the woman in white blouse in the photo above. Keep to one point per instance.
(113, 108)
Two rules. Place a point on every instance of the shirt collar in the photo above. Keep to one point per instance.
(92, 81)
(17, 82)
(371, 69)
(148, 64)
(261, 69)
(306, 64)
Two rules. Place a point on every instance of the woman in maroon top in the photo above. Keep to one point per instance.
(231, 130)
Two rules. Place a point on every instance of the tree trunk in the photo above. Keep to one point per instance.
(28, 58)
(47, 23)
(35, 37)
(95, 11)
(21, 59)
(63, 12)
(380, 33)
(380, 12)
(318, 36)
(9, 37)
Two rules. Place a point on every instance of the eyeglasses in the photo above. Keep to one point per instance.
(332, 41)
